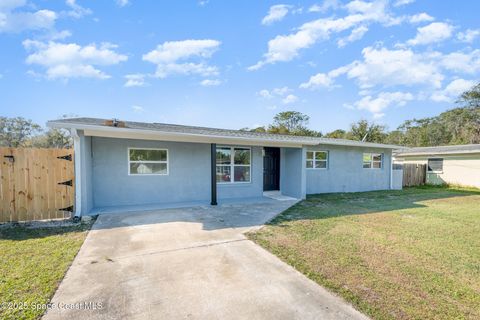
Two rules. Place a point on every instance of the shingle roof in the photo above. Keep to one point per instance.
(216, 132)
(457, 149)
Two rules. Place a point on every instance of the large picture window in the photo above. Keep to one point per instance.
(317, 160)
(435, 165)
(372, 160)
(147, 161)
(233, 164)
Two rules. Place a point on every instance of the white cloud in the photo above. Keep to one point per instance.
(399, 3)
(382, 101)
(276, 13)
(138, 109)
(264, 93)
(318, 81)
(210, 82)
(168, 55)
(420, 17)
(77, 11)
(13, 19)
(70, 60)
(326, 4)
(171, 51)
(135, 80)
(464, 62)
(452, 91)
(279, 92)
(355, 35)
(386, 68)
(122, 3)
(432, 33)
(469, 35)
(290, 99)
(287, 47)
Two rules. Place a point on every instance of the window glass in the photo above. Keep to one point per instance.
(242, 156)
(223, 174)
(372, 160)
(242, 174)
(148, 168)
(224, 155)
(316, 159)
(435, 165)
(320, 156)
(321, 164)
(147, 161)
(233, 164)
(148, 155)
(377, 165)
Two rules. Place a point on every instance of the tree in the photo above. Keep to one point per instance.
(366, 131)
(53, 138)
(337, 134)
(292, 122)
(16, 132)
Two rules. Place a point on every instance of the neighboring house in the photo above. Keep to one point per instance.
(447, 164)
(131, 163)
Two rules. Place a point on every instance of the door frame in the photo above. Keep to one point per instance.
(278, 160)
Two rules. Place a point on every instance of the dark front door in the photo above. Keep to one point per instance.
(271, 169)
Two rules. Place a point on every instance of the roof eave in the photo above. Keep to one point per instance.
(96, 130)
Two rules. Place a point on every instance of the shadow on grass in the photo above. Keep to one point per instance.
(331, 205)
(20, 232)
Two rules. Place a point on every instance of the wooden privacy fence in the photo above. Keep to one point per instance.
(414, 174)
(36, 184)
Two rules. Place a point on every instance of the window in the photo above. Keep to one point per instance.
(372, 160)
(147, 161)
(317, 160)
(435, 165)
(233, 164)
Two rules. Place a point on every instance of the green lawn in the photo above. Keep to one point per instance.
(411, 254)
(32, 265)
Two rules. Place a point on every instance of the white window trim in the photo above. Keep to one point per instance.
(435, 171)
(314, 160)
(148, 174)
(232, 165)
(373, 161)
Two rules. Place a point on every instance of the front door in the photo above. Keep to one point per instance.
(271, 169)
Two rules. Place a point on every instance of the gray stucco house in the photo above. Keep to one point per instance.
(145, 164)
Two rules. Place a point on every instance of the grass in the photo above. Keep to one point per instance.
(410, 254)
(32, 265)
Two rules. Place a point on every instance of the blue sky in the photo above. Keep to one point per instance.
(235, 64)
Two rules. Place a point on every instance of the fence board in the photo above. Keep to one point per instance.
(414, 174)
(29, 188)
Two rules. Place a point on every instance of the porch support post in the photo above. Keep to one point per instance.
(213, 169)
(77, 149)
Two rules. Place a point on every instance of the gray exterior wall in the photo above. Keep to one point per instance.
(345, 172)
(292, 172)
(188, 179)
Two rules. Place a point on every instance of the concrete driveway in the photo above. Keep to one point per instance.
(189, 263)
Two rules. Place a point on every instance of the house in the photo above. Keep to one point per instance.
(458, 164)
(146, 164)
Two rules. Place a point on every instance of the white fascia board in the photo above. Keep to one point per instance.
(436, 154)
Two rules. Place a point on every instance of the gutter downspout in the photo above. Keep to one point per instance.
(78, 177)
(391, 170)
